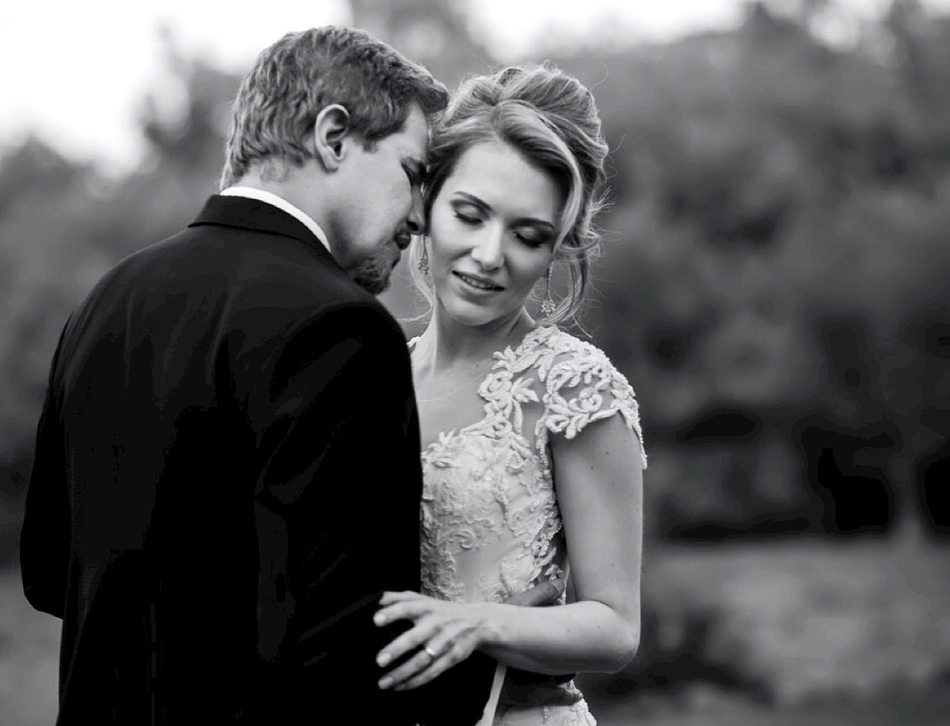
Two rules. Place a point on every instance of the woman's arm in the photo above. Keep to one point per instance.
(599, 484)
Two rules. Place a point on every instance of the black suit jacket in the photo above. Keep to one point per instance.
(226, 479)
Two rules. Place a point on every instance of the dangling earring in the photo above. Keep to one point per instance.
(424, 258)
(547, 304)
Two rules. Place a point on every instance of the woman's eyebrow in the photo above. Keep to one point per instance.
(472, 199)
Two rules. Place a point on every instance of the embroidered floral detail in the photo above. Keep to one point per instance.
(491, 526)
(580, 386)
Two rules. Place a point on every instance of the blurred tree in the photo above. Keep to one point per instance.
(62, 225)
(766, 182)
(776, 265)
(41, 194)
(187, 123)
(432, 32)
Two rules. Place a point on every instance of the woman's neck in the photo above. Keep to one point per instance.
(446, 343)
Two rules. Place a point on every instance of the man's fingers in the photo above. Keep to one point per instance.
(545, 593)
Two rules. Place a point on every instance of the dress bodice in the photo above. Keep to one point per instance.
(491, 526)
(490, 521)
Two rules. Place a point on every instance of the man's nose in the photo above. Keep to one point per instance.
(489, 250)
(416, 218)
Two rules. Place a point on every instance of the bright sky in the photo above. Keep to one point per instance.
(74, 71)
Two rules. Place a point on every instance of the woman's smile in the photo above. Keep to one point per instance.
(479, 283)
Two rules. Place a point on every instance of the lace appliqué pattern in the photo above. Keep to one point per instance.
(490, 521)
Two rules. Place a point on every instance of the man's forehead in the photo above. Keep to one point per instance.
(415, 137)
(417, 127)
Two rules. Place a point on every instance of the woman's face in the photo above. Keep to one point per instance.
(492, 230)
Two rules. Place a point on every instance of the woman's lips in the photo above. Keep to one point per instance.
(479, 283)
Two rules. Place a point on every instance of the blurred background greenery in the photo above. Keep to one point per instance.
(776, 286)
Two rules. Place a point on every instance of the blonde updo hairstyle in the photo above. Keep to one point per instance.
(550, 118)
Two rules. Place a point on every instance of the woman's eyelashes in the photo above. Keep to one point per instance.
(527, 234)
(468, 211)
(533, 237)
(468, 219)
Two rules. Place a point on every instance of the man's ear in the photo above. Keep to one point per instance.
(331, 132)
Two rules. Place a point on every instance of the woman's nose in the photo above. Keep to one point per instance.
(488, 251)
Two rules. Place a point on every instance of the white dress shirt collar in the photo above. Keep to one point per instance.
(280, 203)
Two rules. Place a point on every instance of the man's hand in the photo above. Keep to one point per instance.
(546, 593)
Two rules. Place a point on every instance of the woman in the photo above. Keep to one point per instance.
(532, 440)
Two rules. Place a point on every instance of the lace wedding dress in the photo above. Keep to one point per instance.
(490, 520)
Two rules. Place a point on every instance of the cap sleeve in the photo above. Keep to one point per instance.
(580, 385)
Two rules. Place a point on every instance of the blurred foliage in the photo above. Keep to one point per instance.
(793, 626)
(776, 277)
(777, 280)
(775, 283)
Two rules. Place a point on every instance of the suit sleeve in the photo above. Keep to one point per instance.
(45, 538)
(337, 512)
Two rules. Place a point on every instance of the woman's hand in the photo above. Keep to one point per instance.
(444, 633)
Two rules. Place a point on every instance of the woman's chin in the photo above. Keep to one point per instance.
(472, 318)
(478, 316)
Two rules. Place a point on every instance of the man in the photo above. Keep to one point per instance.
(227, 468)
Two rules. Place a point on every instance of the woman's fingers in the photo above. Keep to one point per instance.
(447, 656)
(390, 597)
(415, 637)
(402, 609)
(412, 668)
(415, 665)
(437, 655)
(442, 634)
(404, 606)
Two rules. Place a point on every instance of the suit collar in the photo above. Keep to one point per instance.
(281, 203)
(257, 216)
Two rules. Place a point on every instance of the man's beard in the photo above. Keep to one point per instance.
(373, 274)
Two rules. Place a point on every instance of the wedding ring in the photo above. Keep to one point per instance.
(431, 653)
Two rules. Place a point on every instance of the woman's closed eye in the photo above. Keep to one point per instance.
(469, 219)
(529, 232)
(469, 211)
(532, 237)
(528, 236)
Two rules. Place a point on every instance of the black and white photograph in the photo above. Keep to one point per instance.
(475, 363)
